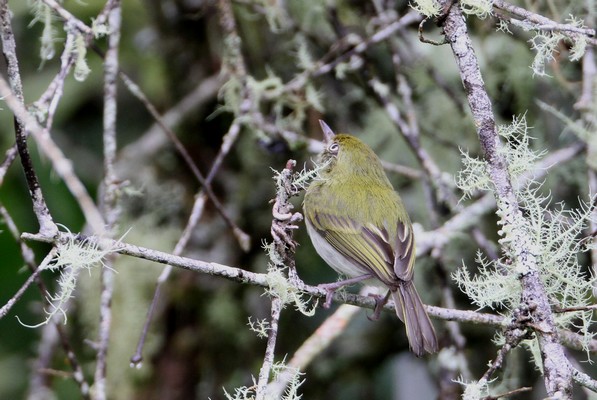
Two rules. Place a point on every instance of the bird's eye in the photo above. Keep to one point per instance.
(333, 148)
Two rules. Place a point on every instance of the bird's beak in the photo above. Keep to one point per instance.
(328, 133)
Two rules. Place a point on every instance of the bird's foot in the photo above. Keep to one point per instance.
(380, 301)
(331, 288)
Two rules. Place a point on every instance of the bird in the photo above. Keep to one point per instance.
(360, 227)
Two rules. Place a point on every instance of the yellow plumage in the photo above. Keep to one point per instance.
(359, 226)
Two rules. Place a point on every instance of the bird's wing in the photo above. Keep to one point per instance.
(404, 251)
(368, 246)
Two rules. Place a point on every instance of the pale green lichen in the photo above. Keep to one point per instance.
(503, 26)
(72, 257)
(429, 8)
(303, 55)
(293, 376)
(43, 14)
(280, 287)
(579, 42)
(99, 28)
(261, 327)
(473, 176)
(545, 44)
(551, 235)
(474, 390)
(490, 286)
(517, 151)
(479, 8)
(82, 70)
(242, 393)
(294, 382)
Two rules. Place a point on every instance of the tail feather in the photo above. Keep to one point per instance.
(410, 310)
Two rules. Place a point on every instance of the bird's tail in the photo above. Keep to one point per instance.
(410, 309)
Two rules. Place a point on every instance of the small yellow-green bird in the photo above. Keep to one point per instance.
(359, 226)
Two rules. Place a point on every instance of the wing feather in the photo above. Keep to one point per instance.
(368, 246)
(405, 252)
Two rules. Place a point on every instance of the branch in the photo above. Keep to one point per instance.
(281, 254)
(583, 379)
(514, 334)
(469, 216)
(44, 218)
(32, 278)
(48, 101)
(253, 278)
(67, 16)
(240, 275)
(508, 394)
(531, 20)
(557, 376)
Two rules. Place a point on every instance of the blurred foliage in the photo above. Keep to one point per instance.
(199, 342)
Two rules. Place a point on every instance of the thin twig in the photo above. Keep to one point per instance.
(573, 309)
(149, 144)
(243, 239)
(44, 218)
(67, 16)
(586, 106)
(137, 357)
(109, 195)
(48, 101)
(322, 67)
(422, 37)
(409, 130)
(319, 340)
(9, 157)
(514, 334)
(539, 22)
(583, 379)
(26, 251)
(153, 139)
(282, 228)
(451, 371)
(61, 164)
(506, 395)
(12, 301)
(268, 359)
(39, 384)
(196, 213)
(29, 258)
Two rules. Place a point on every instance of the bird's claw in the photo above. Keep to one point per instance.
(380, 301)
